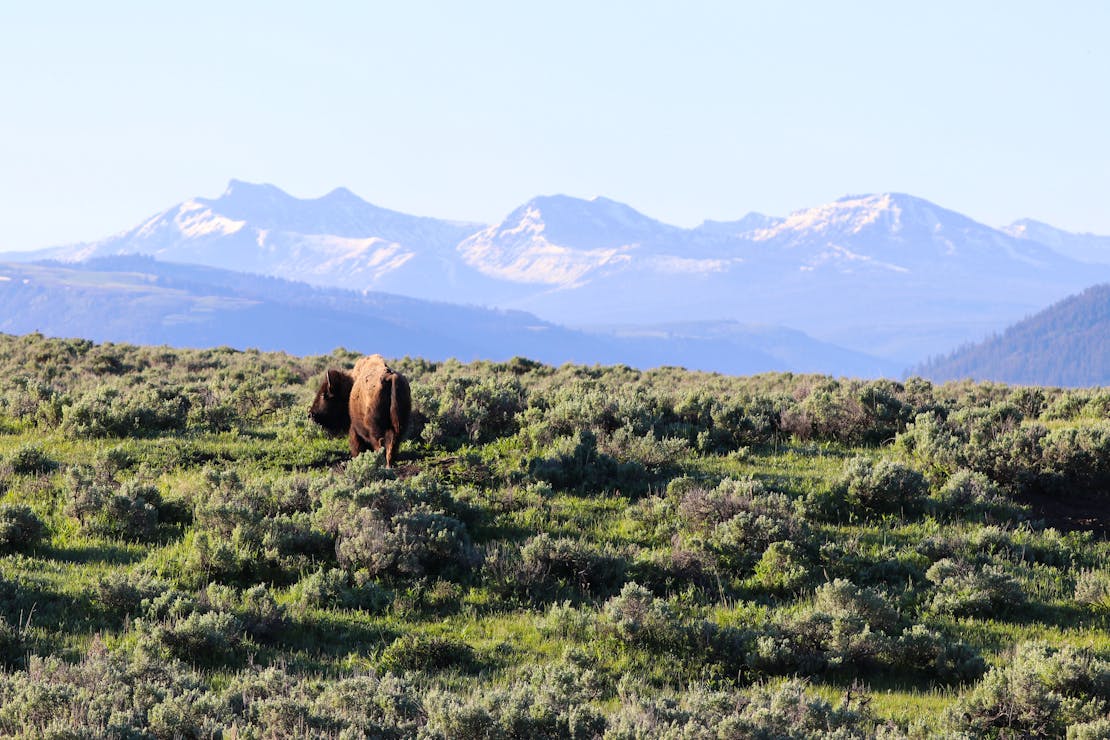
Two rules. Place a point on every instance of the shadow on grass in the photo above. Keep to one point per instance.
(111, 553)
(50, 616)
(318, 641)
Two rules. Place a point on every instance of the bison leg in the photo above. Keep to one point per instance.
(358, 444)
(389, 441)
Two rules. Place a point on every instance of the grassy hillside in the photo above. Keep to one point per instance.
(563, 552)
(1066, 344)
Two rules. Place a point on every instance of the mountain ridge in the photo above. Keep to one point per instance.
(1084, 247)
(885, 274)
(141, 300)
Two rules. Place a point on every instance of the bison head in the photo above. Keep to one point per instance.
(331, 409)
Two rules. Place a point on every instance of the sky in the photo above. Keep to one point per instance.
(113, 111)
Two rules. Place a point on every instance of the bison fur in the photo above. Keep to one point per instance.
(370, 404)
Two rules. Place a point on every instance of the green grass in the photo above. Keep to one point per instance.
(619, 519)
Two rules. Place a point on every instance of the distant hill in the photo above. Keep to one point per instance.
(1090, 248)
(1067, 344)
(145, 301)
(886, 274)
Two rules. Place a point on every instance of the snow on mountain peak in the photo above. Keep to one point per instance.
(562, 242)
(893, 214)
(195, 219)
(566, 209)
(1037, 231)
(521, 249)
(850, 214)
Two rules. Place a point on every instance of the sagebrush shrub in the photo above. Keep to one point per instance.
(130, 514)
(207, 557)
(1092, 588)
(739, 520)
(258, 613)
(969, 493)
(637, 617)
(1095, 729)
(108, 411)
(931, 444)
(1079, 457)
(122, 592)
(846, 626)
(336, 588)
(258, 529)
(429, 654)
(783, 568)
(965, 588)
(203, 637)
(24, 395)
(471, 410)
(703, 508)
(367, 468)
(554, 701)
(20, 528)
(326, 587)
(186, 712)
(740, 422)
(788, 710)
(740, 541)
(575, 463)
(625, 445)
(548, 566)
(936, 656)
(1038, 691)
(842, 599)
(880, 487)
(342, 498)
(386, 706)
(29, 459)
(413, 543)
(109, 509)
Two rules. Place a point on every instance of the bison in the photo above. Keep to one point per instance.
(370, 404)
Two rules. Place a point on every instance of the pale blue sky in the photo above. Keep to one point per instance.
(112, 111)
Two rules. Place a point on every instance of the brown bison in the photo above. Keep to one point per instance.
(370, 404)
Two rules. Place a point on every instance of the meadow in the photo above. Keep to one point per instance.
(561, 552)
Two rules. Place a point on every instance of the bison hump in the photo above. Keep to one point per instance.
(371, 367)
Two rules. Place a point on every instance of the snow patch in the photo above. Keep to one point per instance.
(371, 256)
(689, 266)
(193, 219)
(538, 260)
(849, 215)
(522, 253)
(846, 258)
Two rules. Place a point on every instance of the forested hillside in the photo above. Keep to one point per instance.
(1067, 344)
(562, 552)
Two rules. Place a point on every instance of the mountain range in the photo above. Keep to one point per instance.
(889, 276)
(141, 300)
